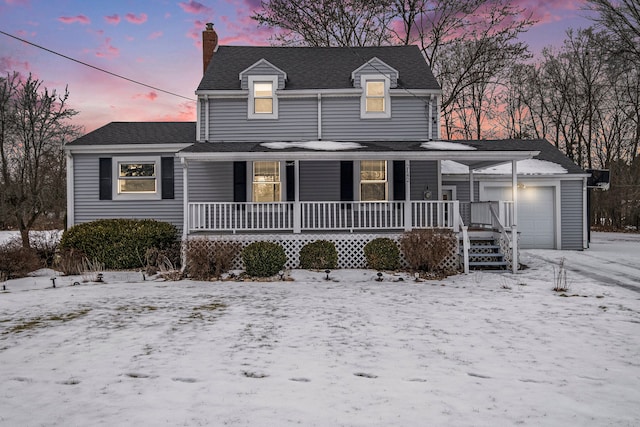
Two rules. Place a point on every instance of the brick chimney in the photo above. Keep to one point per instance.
(209, 44)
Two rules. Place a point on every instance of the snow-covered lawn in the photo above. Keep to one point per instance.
(478, 350)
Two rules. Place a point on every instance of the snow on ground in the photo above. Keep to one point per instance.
(483, 349)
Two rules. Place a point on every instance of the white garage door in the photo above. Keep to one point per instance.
(536, 212)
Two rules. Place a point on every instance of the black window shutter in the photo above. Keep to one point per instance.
(346, 181)
(104, 171)
(239, 181)
(291, 181)
(166, 171)
(399, 191)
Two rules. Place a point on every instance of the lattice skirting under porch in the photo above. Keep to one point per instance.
(349, 247)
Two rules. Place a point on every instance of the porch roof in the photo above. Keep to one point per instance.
(474, 154)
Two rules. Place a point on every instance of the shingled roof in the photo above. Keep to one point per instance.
(548, 152)
(317, 67)
(125, 133)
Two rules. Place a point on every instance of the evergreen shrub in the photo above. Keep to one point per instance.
(319, 255)
(382, 254)
(263, 259)
(119, 243)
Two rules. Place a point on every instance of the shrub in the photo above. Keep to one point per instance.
(207, 259)
(119, 243)
(382, 254)
(263, 259)
(45, 243)
(16, 260)
(69, 261)
(425, 250)
(319, 255)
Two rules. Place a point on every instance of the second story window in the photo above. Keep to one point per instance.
(262, 97)
(263, 102)
(376, 101)
(375, 96)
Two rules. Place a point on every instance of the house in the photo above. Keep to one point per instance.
(295, 144)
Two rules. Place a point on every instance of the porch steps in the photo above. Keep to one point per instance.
(485, 254)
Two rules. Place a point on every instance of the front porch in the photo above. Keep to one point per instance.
(350, 225)
(297, 189)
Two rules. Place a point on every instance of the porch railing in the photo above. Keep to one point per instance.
(492, 214)
(312, 216)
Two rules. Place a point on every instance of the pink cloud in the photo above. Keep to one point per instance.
(25, 33)
(113, 19)
(18, 2)
(187, 113)
(155, 35)
(133, 19)
(9, 65)
(195, 32)
(243, 31)
(129, 38)
(194, 7)
(82, 19)
(151, 96)
(107, 50)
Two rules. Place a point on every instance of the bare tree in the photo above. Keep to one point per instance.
(328, 22)
(621, 19)
(33, 129)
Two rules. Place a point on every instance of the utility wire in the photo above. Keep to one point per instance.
(96, 68)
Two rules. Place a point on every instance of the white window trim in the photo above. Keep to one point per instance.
(261, 116)
(115, 174)
(386, 114)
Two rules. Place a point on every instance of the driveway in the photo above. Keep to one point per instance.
(613, 259)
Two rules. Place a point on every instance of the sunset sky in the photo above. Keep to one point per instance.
(158, 43)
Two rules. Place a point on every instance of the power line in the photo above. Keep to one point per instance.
(96, 68)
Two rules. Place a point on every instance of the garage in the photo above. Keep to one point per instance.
(536, 214)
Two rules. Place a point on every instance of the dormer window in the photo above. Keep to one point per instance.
(263, 103)
(376, 102)
(375, 96)
(262, 98)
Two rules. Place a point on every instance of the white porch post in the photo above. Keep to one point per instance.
(296, 190)
(471, 185)
(185, 212)
(514, 228)
(70, 194)
(407, 196)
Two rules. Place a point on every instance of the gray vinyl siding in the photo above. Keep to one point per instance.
(87, 206)
(462, 189)
(202, 118)
(210, 181)
(320, 181)
(571, 214)
(298, 120)
(341, 120)
(376, 67)
(424, 174)
(435, 120)
(262, 69)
